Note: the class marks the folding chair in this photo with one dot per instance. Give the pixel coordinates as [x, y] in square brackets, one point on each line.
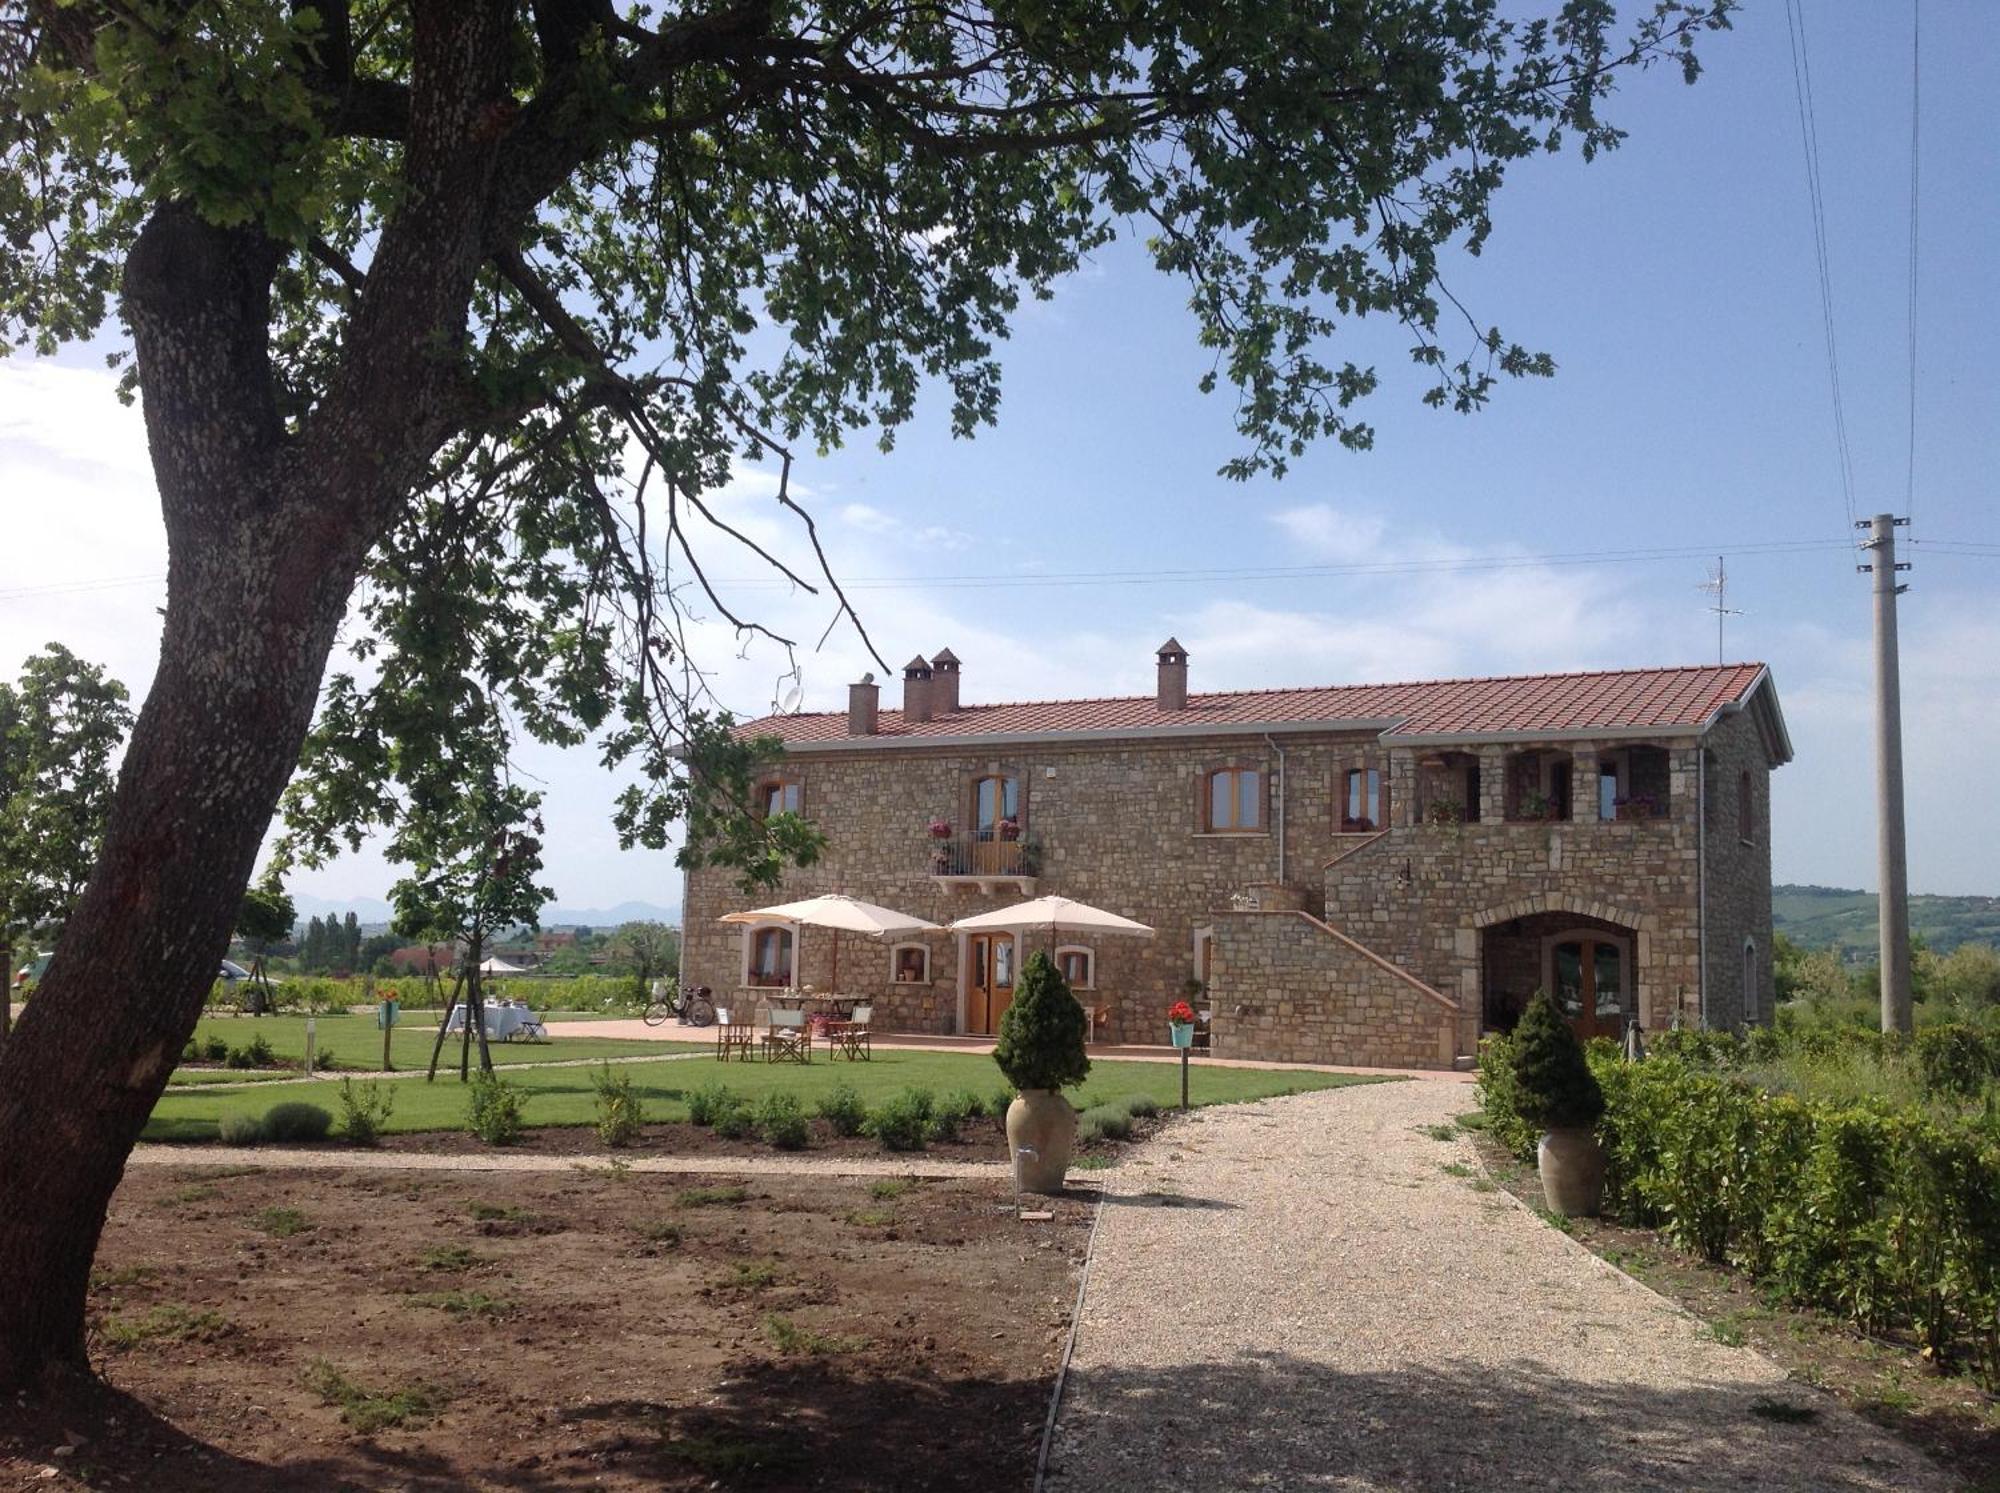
[734, 1036]
[851, 1036]
[788, 1038]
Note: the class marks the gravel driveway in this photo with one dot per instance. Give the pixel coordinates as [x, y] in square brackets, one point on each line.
[1295, 1294]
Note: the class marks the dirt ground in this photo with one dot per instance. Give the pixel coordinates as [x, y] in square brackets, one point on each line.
[268, 1330]
[1885, 1380]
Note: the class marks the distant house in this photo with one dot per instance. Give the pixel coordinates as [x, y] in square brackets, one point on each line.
[1352, 873]
[423, 959]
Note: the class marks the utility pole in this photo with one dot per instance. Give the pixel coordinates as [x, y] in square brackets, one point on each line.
[1894, 913]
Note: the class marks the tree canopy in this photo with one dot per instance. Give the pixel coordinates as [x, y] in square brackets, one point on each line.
[61, 726]
[706, 233]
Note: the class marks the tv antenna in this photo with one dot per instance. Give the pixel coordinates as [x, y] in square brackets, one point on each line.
[1717, 585]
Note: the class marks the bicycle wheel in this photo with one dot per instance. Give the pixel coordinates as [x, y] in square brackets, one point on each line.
[657, 1013]
[700, 1010]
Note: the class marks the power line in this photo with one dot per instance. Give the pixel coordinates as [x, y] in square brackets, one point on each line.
[1795, 24]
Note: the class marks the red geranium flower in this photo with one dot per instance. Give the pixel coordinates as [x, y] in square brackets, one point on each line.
[1181, 1013]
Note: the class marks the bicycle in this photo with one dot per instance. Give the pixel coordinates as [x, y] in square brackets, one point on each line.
[695, 1007]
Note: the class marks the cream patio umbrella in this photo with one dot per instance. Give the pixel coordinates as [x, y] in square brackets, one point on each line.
[1057, 914]
[841, 914]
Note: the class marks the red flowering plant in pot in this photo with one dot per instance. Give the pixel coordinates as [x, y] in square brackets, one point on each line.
[940, 829]
[1180, 1023]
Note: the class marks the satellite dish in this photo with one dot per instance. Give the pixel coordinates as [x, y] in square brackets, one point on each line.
[791, 700]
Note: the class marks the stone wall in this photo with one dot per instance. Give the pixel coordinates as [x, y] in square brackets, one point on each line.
[1290, 989]
[1739, 874]
[1119, 825]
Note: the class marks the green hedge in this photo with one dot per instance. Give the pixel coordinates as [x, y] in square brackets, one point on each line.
[1888, 1215]
[314, 994]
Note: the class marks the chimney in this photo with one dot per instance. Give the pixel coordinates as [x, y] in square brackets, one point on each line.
[944, 689]
[1173, 676]
[916, 691]
[863, 702]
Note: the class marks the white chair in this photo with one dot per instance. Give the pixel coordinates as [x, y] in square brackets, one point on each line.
[851, 1036]
[788, 1038]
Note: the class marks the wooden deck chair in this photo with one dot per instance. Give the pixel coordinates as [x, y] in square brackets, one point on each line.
[788, 1038]
[850, 1037]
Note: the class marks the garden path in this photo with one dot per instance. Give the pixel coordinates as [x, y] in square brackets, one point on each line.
[1297, 1294]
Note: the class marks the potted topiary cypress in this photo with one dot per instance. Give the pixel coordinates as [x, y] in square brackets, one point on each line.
[1041, 1052]
[1558, 1092]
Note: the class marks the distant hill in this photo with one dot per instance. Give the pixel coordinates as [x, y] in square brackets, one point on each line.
[1825, 917]
[374, 913]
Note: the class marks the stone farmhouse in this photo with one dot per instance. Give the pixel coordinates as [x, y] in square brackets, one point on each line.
[1352, 873]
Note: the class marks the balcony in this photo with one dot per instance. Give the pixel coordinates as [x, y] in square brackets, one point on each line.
[984, 862]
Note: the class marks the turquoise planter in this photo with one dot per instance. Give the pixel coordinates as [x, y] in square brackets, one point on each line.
[1182, 1033]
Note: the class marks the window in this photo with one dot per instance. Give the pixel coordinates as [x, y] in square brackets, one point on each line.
[767, 957]
[1751, 992]
[910, 964]
[778, 796]
[1364, 804]
[1078, 966]
[1746, 808]
[996, 803]
[1235, 800]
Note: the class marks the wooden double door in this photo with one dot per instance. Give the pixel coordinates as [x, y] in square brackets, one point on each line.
[1591, 978]
[989, 981]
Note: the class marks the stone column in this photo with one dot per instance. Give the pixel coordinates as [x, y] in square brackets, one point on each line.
[1492, 784]
[1583, 776]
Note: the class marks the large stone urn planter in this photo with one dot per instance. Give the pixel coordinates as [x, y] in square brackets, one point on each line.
[1572, 1166]
[1041, 1123]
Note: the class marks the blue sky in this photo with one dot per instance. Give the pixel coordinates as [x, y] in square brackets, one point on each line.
[1673, 280]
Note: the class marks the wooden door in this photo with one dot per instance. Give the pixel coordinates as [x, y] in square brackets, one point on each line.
[989, 981]
[1592, 982]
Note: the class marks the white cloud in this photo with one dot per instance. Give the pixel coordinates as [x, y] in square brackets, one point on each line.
[1324, 532]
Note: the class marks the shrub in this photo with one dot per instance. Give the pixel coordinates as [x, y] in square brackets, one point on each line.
[1042, 1033]
[1103, 1122]
[1142, 1106]
[999, 1101]
[296, 1121]
[1500, 1098]
[781, 1121]
[214, 1049]
[621, 1114]
[951, 1112]
[493, 1109]
[240, 1130]
[1557, 1090]
[256, 1053]
[1955, 1062]
[709, 1101]
[323, 1060]
[843, 1109]
[363, 1110]
[903, 1121]
[735, 1119]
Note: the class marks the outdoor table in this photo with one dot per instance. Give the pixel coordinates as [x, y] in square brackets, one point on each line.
[503, 1019]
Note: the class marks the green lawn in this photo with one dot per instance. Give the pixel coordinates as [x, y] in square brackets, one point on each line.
[356, 1042]
[563, 1096]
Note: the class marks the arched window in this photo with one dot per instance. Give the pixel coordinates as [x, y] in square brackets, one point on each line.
[1235, 800]
[1752, 987]
[910, 964]
[1078, 966]
[767, 957]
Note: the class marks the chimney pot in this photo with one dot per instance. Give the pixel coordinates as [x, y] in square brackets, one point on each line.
[863, 706]
[916, 691]
[944, 687]
[1172, 694]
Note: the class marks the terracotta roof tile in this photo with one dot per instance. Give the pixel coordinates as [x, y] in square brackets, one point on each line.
[1670, 699]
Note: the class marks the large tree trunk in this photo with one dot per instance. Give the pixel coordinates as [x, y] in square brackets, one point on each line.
[266, 531]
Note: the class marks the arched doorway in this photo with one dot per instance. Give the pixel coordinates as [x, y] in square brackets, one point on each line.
[1587, 964]
[1589, 972]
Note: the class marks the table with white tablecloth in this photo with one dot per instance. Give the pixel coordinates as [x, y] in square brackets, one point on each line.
[505, 1021]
